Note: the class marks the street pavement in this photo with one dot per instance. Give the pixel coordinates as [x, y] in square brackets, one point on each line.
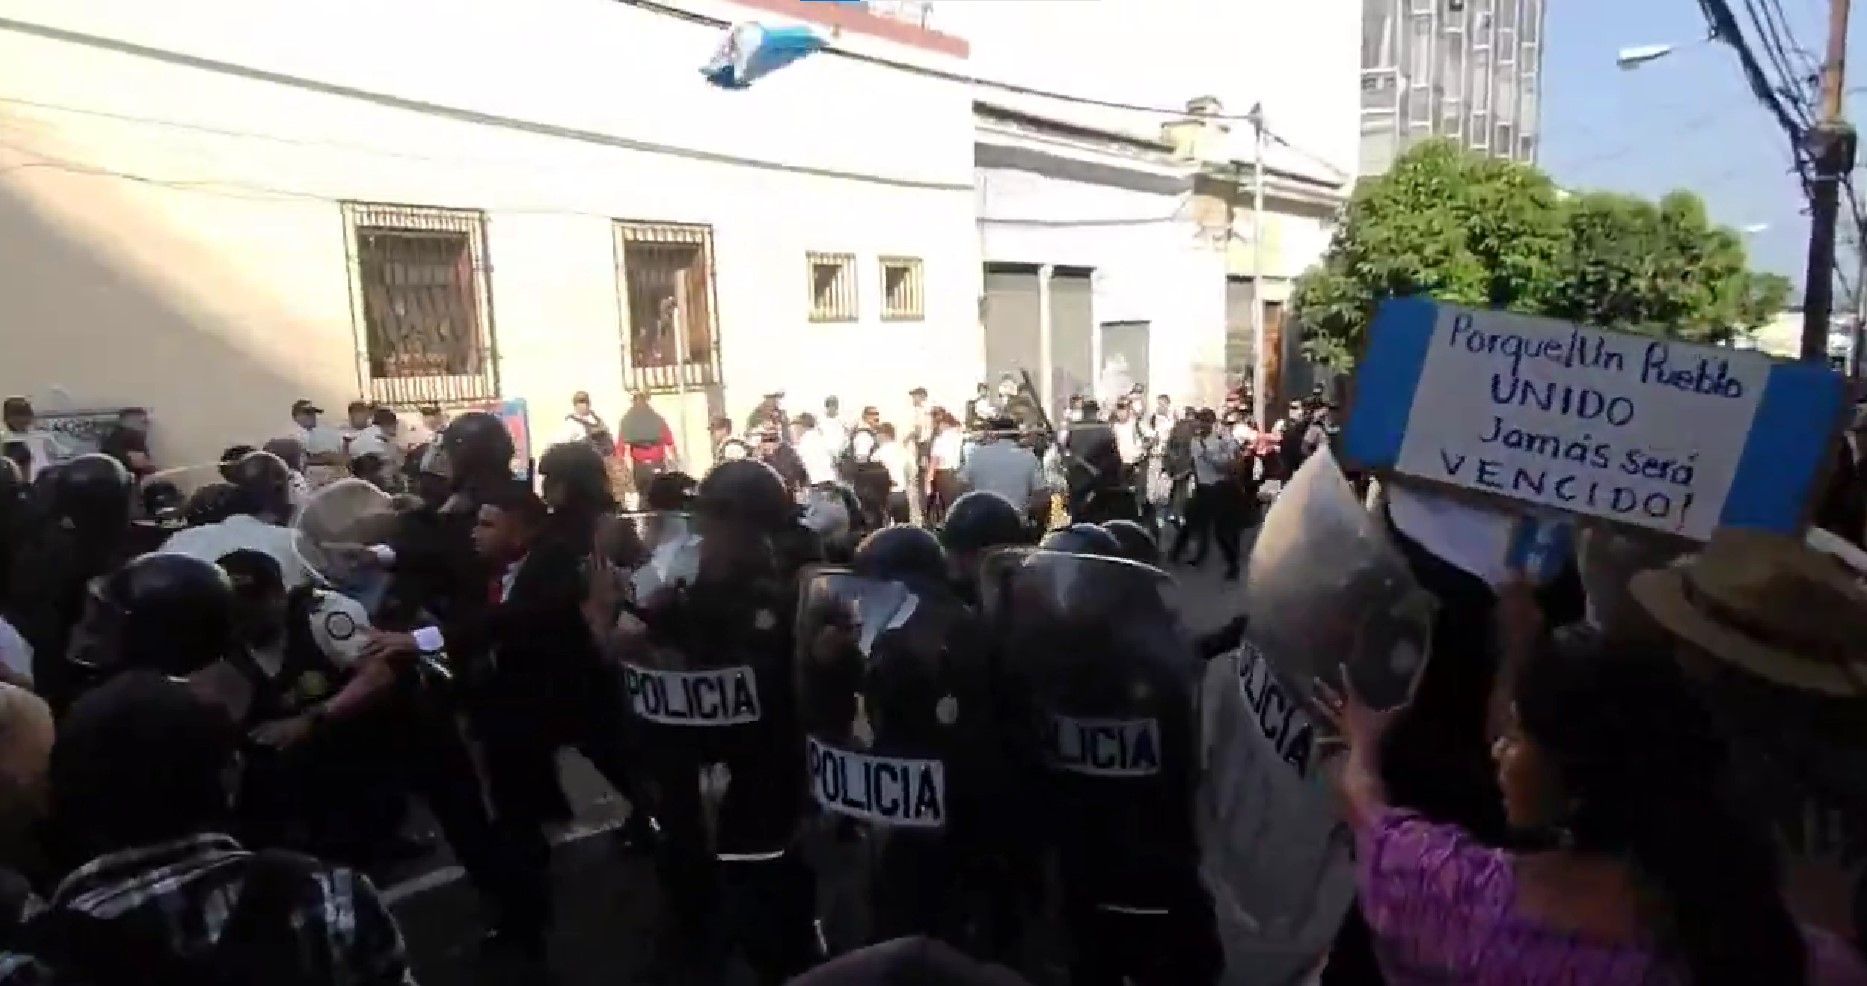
[605, 897]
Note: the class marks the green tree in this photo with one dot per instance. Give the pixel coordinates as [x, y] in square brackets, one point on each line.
[1497, 234]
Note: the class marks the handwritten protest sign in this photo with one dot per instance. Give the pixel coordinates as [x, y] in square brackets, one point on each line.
[1638, 430]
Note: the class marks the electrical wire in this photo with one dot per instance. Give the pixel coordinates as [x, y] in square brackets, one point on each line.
[1010, 87]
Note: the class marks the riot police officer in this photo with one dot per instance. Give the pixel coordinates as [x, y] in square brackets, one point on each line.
[82, 534]
[1098, 660]
[1136, 543]
[977, 522]
[905, 757]
[708, 679]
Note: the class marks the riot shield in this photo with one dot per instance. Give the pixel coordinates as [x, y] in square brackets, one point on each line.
[654, 551]
[334, 534]
[1325, 588]
[1095, 654]
[905, 765]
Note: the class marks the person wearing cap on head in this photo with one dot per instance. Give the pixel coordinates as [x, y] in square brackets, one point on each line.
[19, 423]
[831, 425]
[1008, 469]
[324, 445]
[357, 420]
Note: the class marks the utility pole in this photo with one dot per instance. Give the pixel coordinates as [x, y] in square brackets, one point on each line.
[1260, 386]
[1831, 145]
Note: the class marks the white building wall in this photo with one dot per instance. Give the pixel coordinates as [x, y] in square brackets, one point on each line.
[1149, 265]
[170, 179]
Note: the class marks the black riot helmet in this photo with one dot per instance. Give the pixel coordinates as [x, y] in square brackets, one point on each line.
[1082, 539]
[982, 519]
[1136, 543]
[900, 553]
[92, 492]
[747, 491]
[477, 444]
[263, 485]
[166, 612]
[212, 504]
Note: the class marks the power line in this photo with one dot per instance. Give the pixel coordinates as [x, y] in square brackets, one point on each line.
[1011, 87]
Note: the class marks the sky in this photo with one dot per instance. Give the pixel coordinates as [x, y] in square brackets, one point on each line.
[1684, 121]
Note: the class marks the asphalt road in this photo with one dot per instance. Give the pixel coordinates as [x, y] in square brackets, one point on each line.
[605, 898]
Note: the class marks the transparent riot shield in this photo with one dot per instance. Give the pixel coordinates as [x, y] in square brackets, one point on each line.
[903, 754]
[653, 551]
[1326, 589]
[335, 535]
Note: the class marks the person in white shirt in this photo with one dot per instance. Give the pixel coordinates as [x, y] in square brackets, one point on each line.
[19, 424]
[813, 450]
[323, 445]
[835, 432]
[897, 459]
[1004, 467]
[358, 420]
[262, 502]
[944, 456]
[1213, 509]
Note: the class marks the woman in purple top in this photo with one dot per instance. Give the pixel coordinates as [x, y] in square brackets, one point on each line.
[1633, 868]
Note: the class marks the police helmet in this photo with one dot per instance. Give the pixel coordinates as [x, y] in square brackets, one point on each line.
[92, 490]
[212, 504]
[900, 552]
[172, 613]
[1082, 539]
[262, 483]
[826, 512]
[476, 442]
[982, 519]
[1136, 543]
[749, 491]
[162, 499]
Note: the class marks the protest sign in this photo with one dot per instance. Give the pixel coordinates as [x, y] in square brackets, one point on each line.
[1634, 429]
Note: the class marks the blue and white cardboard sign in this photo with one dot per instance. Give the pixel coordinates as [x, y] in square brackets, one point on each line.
[1649, 432]
[751, 51]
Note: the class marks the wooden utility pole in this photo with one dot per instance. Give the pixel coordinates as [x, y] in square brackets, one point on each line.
[1831, 144]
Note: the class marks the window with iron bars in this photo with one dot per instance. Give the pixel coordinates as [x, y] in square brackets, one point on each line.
[903, 299]
[421, 302]
[665, 274]
[832, 287]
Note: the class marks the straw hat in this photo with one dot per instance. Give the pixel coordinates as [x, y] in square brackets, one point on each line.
[1769, 605]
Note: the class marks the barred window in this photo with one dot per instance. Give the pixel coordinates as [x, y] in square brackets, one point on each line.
[832, 287]
[419, 295]
[901, 289]
[665, 273]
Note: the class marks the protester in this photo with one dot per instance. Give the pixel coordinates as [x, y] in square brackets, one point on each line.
[166, 897]
[813, 450]
[1004, 467]
[1630, 867]
[323, 445]
[898, 459]
[1212, 513]
[943, 465]
[19, 424]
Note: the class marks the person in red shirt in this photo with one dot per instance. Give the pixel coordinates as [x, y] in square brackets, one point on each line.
[649, 441]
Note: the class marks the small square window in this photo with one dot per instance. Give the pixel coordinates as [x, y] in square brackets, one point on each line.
[832, 287]
[902, 299]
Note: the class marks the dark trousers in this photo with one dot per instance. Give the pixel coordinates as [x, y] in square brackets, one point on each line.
[898, 507]
[946, 489]
[520, 737]
[1111, 945]
[728, 871]
[1213, 512]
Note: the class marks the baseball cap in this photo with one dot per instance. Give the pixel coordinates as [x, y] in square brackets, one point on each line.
[354, 406]
[302, 406]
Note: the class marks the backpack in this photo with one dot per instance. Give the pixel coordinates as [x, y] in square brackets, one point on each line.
[257, 947]
[597, 434]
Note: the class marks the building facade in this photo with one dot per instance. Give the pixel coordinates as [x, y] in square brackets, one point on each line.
[212, 212]
[1113, 259]
[1469, 70]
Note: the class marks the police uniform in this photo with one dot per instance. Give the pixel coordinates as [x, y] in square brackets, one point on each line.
[297, 795]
